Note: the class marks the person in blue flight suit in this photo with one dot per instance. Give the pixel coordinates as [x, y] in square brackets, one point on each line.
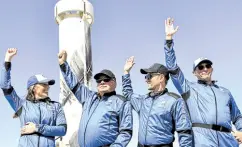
[40, 118]
[161, 113]
[212, 107]
[106, 117]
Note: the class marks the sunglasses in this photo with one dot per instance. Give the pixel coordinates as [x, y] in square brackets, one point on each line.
[201, 67]
[104, 80]
[151, 75]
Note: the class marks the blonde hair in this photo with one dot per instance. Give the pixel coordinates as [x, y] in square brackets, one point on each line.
[30, 93]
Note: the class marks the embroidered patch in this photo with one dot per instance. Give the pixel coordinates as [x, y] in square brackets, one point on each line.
[163, 103]
[50, 107]
[109, 102]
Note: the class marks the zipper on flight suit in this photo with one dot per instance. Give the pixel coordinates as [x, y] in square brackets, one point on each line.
[88, 121]
[215, 98]
[39, 124]
[148, 119]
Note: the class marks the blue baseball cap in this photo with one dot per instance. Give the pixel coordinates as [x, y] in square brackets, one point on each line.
[39, 79]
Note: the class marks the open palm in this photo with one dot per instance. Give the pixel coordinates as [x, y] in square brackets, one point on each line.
[169, 28]
[129, 64]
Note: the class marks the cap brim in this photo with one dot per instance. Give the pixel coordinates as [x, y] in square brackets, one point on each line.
[96, 77]
[48, 81]
[145, 70]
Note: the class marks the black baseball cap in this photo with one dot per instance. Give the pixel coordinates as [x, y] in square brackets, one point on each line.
[104, 72]
[155, 68]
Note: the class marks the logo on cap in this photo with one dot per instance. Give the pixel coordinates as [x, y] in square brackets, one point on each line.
[40, 77]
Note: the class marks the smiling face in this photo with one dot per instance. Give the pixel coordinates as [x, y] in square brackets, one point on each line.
[41, 91]
[105, 84]
[204, 71]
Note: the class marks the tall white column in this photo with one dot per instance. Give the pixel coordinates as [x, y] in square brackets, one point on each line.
[74, 18]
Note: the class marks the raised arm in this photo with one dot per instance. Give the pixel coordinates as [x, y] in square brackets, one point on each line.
[77, 87]
[135, 99]
[178, 78]
[5, 82]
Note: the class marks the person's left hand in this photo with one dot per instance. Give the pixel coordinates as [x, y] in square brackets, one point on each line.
[28, 128]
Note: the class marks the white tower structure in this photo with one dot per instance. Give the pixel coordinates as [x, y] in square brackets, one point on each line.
[74, 18]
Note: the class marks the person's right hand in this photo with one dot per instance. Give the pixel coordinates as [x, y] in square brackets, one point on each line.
[11, 52]
[62, 56]
[238, 136]
[169, 28]
[28, 128]
[128, 65]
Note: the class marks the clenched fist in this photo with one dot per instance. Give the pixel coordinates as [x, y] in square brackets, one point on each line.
[11, 52]
[62, 56]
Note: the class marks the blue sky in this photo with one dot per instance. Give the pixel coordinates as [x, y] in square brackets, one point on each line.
[121, 29]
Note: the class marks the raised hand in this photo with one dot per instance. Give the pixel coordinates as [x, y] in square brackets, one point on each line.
[11, 52]
[62, 56]
[169, 28]
[129, 64]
